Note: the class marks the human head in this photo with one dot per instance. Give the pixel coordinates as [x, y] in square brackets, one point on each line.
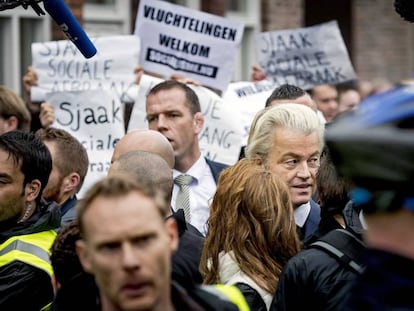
[14, 114]
[288, 93]
[251, 215]
[70, 279]
[348, 96]
[68, 174]
[365, 88]
[65, 262]
[25, 167]
[373, 147]
[174, 110]
[288, 139]
[326, 99]
[148, 166]
[333, 190]
[127, 243]
[145, 140]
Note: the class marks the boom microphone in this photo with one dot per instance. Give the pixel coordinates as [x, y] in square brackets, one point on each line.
[405, 8]
[64, 18]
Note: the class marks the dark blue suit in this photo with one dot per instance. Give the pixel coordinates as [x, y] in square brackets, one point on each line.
[186, 260]
[215, 168]
[312, 222]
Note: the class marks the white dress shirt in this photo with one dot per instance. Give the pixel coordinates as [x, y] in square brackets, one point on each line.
[202, 190]
[301, 213]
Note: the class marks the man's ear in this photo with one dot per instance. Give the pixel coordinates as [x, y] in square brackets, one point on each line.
[71, 182]
[198, 122]
[82, 252]
[172, 231]
[32, 190]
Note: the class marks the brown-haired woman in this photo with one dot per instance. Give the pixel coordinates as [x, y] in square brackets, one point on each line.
[251, 232]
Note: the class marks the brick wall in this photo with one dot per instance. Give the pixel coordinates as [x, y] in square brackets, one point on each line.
[281, 14]
[383, 41]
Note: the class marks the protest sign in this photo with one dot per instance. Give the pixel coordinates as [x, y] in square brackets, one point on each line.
[60, 66]
[248, 98]
[222, 133]
[305, 57]
[95, 118]
[176, 39]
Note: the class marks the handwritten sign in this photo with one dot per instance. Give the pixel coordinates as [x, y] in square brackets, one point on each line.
[198, 45]
[60, 66]
[247, 98]
[222, 134]
[95, 118]
[305, 57]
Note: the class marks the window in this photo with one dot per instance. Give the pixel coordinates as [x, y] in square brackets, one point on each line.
[247, 12]
[19, 28]
[107, 17]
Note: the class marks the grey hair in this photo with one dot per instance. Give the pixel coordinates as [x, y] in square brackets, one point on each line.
[290, 115]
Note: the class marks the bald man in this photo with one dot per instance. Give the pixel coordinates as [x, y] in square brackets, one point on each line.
[145, 140]
[148, 166]
[154, 142]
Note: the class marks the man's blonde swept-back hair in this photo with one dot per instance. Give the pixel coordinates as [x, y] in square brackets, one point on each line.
[292, 116]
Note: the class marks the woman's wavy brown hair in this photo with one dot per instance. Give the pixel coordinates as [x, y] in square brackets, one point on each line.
[251, 215]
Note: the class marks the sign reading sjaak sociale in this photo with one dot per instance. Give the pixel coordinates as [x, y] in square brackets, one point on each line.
[305, 57]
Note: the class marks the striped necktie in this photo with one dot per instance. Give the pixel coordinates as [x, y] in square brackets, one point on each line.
[183, 196]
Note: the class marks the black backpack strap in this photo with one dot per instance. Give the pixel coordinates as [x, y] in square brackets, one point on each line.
[344, 246]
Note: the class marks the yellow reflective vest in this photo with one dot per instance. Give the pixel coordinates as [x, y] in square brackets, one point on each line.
[32, 249]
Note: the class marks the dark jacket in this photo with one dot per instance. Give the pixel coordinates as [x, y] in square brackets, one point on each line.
[312, 222]
[253, 298]
[216, 168]
[315, 280]
[387, 284]
[197, 298]
[80, 293]
[194, 298]
[68, 210]
[24, 286]
[186, 259]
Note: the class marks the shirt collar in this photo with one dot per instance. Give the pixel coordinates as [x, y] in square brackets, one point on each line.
[301, 214]
[196, 171]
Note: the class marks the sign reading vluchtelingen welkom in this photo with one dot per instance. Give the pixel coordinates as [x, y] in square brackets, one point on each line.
[179, 40]
[305, 57]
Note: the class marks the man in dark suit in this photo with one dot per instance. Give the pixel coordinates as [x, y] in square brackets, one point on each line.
[288, 139]
[174, 110]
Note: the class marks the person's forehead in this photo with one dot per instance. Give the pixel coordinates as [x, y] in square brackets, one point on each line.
[9, 166]
[174, 93]
[349, 94]
[120, 219]
[324, 89]
[293, 139]
[138, 203]
[167, 103]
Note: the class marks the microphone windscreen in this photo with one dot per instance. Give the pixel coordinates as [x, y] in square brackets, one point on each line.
[405, 8]
[64, 18]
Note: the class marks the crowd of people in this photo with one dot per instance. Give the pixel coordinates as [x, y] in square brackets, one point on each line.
[317, 212]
